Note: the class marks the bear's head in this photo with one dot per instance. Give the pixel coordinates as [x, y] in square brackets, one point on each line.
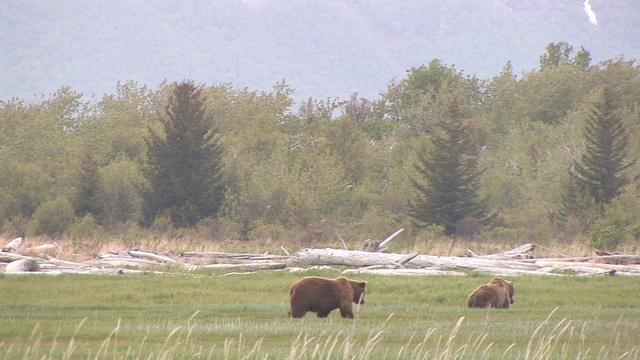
[512, 291]
[359, 289]
[508, 285]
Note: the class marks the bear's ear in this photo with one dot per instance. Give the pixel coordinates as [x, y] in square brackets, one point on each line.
[363, 284]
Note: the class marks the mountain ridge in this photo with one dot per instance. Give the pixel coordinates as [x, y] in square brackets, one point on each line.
[321, 49]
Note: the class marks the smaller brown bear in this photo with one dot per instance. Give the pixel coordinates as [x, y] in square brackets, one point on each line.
[322, 295]
[498, 293]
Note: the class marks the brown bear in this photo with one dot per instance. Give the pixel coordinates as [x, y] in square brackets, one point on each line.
[322, 295]
[498, 293]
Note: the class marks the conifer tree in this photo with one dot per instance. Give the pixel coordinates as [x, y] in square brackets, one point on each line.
[89, 197]
[599, 173]
[183, 167]
[448, 190]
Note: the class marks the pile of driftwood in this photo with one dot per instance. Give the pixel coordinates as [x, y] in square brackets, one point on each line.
[372, 259]
[139, 261]
[514, 262]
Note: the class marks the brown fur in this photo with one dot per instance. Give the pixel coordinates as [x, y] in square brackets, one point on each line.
[322, 295]
[498, 293]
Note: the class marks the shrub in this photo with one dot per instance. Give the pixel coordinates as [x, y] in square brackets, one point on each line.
[85, 228]
[607, 237]
[53, 217]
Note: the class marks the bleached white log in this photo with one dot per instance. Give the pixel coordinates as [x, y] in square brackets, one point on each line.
[403, 272]
[23, 265]
[386, 241]
[14, 244]
[521, 252]
[617, 259]
[244, 267]
[235, 256]
[356, 258]
[152, 256]
[7, 257]
[294, 269]
[125, 261]
[495, 271]
[585, 271]
[603, 266]
[378, 246]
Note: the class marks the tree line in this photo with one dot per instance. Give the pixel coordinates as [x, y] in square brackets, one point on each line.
[546, 155]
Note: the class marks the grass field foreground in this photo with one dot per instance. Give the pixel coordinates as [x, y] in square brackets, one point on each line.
[209, 315]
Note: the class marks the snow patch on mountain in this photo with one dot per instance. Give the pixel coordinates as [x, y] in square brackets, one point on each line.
[590, 13]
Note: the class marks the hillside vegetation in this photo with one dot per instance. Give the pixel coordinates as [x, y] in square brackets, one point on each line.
[73, 169]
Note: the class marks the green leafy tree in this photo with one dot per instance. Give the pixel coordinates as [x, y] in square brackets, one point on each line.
[184, 167]
[124, 119]
[550, 94]
[120, 197]
[406, 101]
[560, 54]
[449, 183]
[600, 171]
[348, 145]
[582, 58]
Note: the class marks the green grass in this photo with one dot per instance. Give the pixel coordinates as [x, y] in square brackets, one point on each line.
[206, 315]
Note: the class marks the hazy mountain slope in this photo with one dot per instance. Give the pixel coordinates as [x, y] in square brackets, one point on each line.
[321, 47]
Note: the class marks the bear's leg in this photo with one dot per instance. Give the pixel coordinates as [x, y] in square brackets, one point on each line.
[296, 313]
[323, 314]
[346, 313]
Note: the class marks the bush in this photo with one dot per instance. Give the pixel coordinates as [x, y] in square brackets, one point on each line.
[607, 237]
[85, 228]
[53, 217]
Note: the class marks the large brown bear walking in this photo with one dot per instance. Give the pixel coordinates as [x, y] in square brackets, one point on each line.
[322, 295]
[498, 293]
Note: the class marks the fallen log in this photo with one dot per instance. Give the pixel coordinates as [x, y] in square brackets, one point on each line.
[521, 252]
[7, 257]
[14, 244]
[243, 267]
[152, 256]
[235, 256]
[356, 258]
[617, 259]
[602, 266]
[23, 265]
[408, 259]
[116, 261]
[404, 272]
[378, 246]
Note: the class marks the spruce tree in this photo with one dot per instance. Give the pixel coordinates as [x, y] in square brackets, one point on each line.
[448, 187]
[89, 195]
[184, 167]
[599, 173]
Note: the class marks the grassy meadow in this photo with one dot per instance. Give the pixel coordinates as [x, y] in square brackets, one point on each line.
[208, 314]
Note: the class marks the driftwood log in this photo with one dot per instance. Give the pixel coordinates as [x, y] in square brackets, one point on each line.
[23, 265]
[221, 256]
[249, 267]
[406, 272]
[514, 262]
[378, 246]
[353, 258]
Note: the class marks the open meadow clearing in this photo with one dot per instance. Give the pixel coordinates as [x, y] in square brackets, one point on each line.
[206, 314]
